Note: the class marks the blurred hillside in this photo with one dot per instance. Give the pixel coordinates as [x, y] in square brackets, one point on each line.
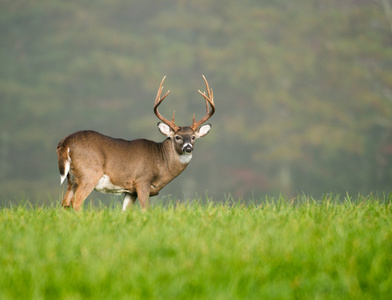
[303, 90]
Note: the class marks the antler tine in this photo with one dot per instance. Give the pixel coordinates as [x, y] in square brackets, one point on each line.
[158, 101]
[208, 100]
[158, 98]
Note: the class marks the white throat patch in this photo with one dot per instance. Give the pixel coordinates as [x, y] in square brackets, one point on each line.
[185, 158]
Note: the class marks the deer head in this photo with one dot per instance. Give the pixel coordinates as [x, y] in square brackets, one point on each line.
[183, 137]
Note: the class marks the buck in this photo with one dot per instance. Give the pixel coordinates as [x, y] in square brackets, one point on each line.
[138, 168]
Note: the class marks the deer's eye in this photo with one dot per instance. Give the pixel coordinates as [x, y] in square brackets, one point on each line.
[178, 137]
[193, 138]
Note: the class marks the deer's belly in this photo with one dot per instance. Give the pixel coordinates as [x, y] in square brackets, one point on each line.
[105, 186]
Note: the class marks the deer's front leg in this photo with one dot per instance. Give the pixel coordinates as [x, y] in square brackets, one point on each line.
[143, 192]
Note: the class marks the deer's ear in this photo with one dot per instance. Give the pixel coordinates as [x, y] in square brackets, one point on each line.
[165, 129]
[203, 130]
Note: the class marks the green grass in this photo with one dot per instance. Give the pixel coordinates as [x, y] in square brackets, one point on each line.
[272, 249]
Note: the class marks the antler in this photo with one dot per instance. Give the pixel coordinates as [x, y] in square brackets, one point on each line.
[158, 100]
[208, 100]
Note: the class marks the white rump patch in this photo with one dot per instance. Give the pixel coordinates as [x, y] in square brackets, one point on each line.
[105, 186]
[185, 158]
[67, 167]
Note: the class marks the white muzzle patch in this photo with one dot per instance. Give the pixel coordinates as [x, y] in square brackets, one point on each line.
[187, 148]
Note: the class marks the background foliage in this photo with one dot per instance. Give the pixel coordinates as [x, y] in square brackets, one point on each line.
[303, 89]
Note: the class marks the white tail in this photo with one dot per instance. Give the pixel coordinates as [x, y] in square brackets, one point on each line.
[64, 171]
[138, 168]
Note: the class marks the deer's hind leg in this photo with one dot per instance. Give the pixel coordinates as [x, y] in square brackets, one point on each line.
[81, 193]
[84, 186]
[66, 202]
[68, 197]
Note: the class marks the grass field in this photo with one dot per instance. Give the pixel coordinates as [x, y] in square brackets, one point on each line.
[331, 248]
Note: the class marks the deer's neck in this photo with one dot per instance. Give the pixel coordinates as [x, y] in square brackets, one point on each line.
[175, 162]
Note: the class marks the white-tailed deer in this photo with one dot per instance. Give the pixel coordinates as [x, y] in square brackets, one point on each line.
[138, 168]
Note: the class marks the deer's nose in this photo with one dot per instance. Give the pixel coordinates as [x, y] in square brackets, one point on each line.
[188, 148]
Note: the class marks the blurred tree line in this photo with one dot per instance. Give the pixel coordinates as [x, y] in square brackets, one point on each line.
[303, 89]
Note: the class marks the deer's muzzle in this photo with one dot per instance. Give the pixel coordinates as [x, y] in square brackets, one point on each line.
[187, 148]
